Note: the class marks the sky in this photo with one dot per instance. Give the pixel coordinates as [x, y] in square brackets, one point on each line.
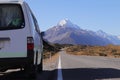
[88, 14]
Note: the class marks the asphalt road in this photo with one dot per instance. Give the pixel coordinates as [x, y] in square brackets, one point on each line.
[71, 67]
[89, 67]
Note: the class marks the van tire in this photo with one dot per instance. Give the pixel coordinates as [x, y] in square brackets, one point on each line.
[40, 66]
[31, 71]
[31, 68]
[33, 74]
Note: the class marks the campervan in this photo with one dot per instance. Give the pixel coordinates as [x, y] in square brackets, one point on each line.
[20, 38]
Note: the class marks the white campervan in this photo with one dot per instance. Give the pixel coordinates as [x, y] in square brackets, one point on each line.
[20, 39]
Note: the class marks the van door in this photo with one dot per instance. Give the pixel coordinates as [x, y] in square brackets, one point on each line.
[12, 31]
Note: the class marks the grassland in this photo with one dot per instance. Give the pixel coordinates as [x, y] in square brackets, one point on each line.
[50, 49]
[108, 51]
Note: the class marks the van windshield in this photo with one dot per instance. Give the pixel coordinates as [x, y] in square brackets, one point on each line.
[11, 17]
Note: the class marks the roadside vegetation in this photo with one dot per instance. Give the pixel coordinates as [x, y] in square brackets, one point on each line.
[108, 51]
[50, 49]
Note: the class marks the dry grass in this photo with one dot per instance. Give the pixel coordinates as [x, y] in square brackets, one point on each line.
[52, 59]
[109, 50]
[50, 49]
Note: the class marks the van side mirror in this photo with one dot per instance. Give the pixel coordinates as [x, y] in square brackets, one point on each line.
[42, 35]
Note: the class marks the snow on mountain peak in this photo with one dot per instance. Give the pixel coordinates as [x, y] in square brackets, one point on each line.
[67, 23]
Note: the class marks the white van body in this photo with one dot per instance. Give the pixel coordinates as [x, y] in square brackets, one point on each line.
[20, 39]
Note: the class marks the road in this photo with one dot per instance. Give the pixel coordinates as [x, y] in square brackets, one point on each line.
[89, 67]
[71, 67]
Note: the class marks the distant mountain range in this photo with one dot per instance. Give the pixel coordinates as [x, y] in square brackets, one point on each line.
[65, 32]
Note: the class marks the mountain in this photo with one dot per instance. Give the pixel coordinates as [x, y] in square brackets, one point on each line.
[114, 39]
[67, 23]
[65, 32]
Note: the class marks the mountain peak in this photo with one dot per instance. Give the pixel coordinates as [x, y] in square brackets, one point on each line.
[67, 23]
[100, 31]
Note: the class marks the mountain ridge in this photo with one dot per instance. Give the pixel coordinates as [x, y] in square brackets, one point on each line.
[66, 32]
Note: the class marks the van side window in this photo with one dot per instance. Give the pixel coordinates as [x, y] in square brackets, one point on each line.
[32, 21]
[36, 24]
[11, 17]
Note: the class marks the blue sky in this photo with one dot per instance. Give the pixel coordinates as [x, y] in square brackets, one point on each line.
[88, 14]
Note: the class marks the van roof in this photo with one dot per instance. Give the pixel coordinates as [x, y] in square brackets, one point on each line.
[11, 1]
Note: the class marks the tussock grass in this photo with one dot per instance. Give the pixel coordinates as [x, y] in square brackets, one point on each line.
[109, 50]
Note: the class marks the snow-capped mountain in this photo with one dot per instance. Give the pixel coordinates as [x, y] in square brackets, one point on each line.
[114, 39]
[67, 23]
[65, 32]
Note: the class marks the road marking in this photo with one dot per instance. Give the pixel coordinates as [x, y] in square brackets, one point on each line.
[59, 77]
